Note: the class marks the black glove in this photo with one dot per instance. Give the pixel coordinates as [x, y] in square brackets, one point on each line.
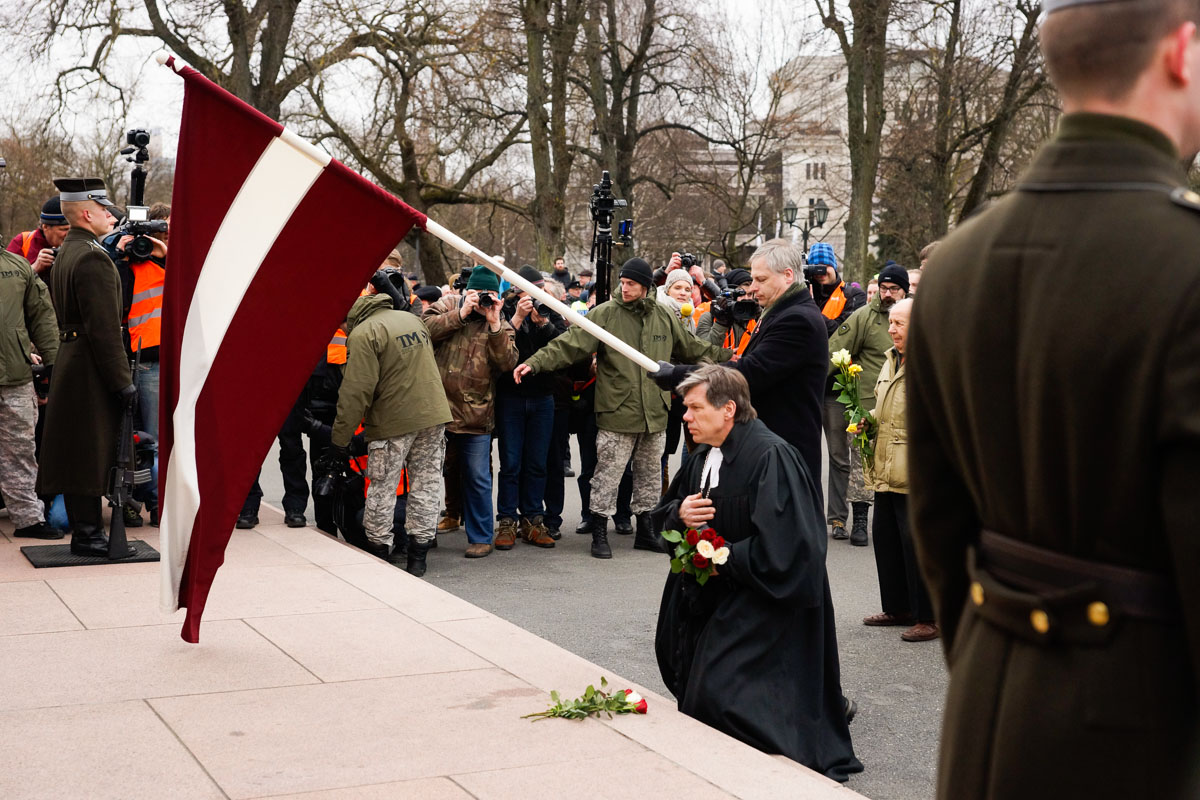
[312, 426]
[335, 453]
[722, 312]
[128, 396]
[664, 376]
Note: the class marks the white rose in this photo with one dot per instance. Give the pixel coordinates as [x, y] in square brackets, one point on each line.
[720, 556]
[841, 358]
[705, 548]
[632, 697]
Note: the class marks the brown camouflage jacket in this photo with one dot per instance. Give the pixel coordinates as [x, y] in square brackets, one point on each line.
[469, 359]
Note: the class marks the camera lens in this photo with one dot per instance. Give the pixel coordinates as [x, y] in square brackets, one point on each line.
[140, 248]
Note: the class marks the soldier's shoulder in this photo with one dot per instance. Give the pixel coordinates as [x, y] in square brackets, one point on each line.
[10, 262]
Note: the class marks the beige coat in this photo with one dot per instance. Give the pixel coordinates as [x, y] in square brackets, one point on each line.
[890, 471]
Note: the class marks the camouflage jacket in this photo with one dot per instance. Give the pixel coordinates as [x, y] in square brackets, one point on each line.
[469, 359]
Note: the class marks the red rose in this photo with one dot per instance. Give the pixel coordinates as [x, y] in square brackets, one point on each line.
[692, 538]
[640, 708]
[708, 534]
[699, 561]
[718, 542]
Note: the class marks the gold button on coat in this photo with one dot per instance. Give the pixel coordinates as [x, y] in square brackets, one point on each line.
[977, 593]
[1040, 620]
[1097, 614]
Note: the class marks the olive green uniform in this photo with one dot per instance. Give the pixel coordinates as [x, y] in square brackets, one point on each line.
[1054, 399]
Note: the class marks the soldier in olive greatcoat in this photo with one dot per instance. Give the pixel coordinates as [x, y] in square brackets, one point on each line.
[1054, 433]
[92, 383]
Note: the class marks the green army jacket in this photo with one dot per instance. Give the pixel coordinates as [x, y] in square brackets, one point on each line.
[865, 335]
[391, 379]
[26, 317]
[627, 401]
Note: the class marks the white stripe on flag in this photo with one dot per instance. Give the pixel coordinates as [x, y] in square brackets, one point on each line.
[264, 204]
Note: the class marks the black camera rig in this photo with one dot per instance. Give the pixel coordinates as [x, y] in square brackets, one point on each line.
[137, 215]
[603, 205]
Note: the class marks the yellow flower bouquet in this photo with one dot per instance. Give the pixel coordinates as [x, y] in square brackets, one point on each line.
[859, 420]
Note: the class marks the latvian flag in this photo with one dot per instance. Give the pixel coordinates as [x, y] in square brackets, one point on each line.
[271, 242]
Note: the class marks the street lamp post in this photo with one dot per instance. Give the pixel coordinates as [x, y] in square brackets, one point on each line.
[818, 212]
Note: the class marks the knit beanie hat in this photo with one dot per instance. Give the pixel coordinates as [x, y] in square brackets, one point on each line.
[894, 273]
[736, 277]
[677, 275]
[635, 269]
[484, 280]
[821, 254]
[532, 275]
[52, 212]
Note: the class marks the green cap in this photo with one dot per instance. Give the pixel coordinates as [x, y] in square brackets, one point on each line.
[484, 280]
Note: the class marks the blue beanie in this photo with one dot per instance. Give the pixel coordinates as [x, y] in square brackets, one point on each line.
[821, 253]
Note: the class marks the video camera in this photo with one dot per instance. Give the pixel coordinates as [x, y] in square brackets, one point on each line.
[743, 308]
[814, 271]
[137, 216]
[603, 206]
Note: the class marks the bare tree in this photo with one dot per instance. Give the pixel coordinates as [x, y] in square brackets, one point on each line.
[864, 46]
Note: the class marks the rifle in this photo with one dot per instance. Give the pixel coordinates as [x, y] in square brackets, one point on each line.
[123, 475]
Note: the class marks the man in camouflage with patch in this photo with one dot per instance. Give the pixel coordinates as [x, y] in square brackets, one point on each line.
[631, 411]
[392, 385]
[25, 315]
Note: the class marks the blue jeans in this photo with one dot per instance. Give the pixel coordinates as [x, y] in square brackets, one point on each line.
[525, 425]
[475, 469]
[147, 395]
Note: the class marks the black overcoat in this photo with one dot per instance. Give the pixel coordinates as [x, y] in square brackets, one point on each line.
[83, 411]
[754, 651]
[1054, 397]
[786, 364]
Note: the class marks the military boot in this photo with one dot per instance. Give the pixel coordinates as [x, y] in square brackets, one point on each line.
[647, 538]
[858, 533]
[416, 552]
[599, 531]
[377, 549]
[88, 540]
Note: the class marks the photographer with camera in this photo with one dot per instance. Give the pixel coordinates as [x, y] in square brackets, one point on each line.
[732, 315]
[474, 345]
[92, 386]
[40, 245]
[833, 296]
[525, 423]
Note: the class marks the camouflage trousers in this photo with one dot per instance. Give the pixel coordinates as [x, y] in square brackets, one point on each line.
[18, 465]
[422, 452]
[613, 452]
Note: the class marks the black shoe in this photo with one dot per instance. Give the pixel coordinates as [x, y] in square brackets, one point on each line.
[838, 531]
[584, 527]
[39, 531]
[133, 517]
[88, 540]
[599, 531]
[555, 533]
[246, 521]
[851, 709]
[294, 520]
[154, 517]
[858, 533]
[416, 557]
[376, 549]
[625, 528]
[568, 472]
[647, 538]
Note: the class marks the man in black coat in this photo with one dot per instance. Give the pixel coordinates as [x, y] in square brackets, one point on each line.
[753, 651]
[787, 360]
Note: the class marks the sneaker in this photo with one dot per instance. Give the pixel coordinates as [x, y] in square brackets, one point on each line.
[506, 534]
[133, 517]
[39, 531]
[478, 550]
[448, 523]
[535, 533]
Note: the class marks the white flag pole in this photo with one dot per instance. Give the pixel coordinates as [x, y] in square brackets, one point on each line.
[480, 257]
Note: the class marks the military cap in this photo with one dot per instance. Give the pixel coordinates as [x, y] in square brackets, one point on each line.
[77, 190]
[1058, 5]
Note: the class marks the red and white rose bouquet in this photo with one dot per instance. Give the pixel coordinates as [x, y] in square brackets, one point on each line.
[697, 552]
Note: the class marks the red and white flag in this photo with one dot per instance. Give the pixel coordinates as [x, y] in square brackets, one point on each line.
[271, 242]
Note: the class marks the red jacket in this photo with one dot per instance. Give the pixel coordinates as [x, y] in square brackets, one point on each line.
[36, 244]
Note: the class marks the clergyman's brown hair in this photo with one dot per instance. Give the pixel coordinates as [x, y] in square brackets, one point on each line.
[723, 384]
[1098, 51]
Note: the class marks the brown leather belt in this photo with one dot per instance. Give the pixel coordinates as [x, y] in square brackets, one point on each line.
[1126, 592]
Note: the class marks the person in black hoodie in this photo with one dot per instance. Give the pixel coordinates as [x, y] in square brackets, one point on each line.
[525, 424]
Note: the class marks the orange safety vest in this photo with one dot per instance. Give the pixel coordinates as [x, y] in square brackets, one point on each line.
[835, 303]
[145, 313]
[359, 463]
[335, 352]
[26, 243]
[745, 340]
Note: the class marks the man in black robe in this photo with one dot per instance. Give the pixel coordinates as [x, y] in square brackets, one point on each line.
[753, 652]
